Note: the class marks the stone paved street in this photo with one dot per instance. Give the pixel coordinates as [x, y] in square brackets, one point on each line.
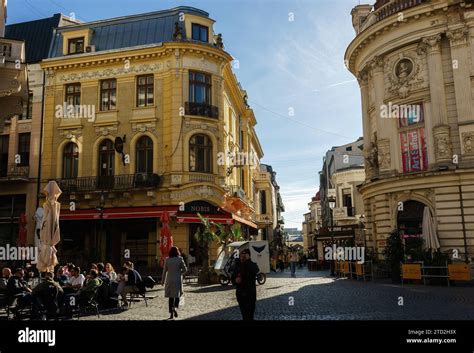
[315, 296]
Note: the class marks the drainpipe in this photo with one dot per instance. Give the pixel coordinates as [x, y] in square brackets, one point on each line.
[38, 184]
[466, 255]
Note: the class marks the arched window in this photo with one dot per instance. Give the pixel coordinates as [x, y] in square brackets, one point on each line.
[200, 154]
[106, 158]
[144, 155]
[70, 161]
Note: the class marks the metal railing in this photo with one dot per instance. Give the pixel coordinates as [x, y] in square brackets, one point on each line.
[14, 171]
[385, 9]
[109, 183]
[201, 178]
[201, 109]
[237, 191]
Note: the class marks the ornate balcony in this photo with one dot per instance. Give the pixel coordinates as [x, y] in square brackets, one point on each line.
[15, 172]
[199, 109]
[386, 8]
[109, 183]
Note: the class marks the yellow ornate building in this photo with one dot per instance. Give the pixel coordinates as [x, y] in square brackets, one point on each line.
[415, 61]
[143, 115]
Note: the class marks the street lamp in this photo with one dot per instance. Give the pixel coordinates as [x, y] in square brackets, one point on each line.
[332, 205]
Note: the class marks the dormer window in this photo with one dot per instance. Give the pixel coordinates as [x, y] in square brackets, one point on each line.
[76, 45]
[200, 33]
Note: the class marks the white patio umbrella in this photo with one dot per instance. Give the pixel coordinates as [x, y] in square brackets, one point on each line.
[49, 234]
[430, 237]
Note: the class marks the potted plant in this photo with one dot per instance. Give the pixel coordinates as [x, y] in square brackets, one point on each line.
[393, 254]
[214, 232]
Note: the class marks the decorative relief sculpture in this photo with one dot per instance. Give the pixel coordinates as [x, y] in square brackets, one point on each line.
[468, 141]
[384, 158]
[442, 147]
[403, 72]
[458, 36]
[371, 157]
[429, 45]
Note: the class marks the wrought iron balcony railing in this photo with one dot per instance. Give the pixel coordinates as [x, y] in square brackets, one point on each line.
[387, 8]
[200, 109]
[109, 183]
[15, 172]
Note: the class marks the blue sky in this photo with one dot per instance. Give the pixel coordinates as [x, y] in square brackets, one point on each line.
[285, 66]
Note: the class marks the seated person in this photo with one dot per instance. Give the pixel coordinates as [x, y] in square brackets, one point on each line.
[104, 276]
[131, 283]
[109, 269]
[47, 293]
[17, 287]
[75, 282]
[84, 293]
[60, 277]
[90, 286]
[6, 274]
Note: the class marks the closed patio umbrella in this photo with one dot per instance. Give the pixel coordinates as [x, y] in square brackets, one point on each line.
[430, 237]
[166, 240]
[49, 234]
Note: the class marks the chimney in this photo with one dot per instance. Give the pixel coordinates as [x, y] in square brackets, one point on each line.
[3, 17]
[359, 15]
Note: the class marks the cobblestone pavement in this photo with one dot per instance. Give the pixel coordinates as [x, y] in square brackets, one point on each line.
[312, 296]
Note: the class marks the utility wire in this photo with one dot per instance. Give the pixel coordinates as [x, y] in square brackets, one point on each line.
[299, 122]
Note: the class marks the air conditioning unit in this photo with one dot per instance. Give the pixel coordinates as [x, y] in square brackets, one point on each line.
[90, 49]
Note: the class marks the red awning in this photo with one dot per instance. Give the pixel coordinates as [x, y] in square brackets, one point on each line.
[193, 218]
[118, 213]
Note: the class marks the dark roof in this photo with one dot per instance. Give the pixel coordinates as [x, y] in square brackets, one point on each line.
[129, 31]
[36, 34]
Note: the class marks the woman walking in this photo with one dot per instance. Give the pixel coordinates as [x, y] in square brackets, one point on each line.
[173, 270]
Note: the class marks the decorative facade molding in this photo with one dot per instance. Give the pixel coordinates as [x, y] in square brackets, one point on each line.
[100, 74]
[442, 143]
[467, 139]
[458, 37]
[70, 133]
[143, 127]
[384, 158]
[403, 72]
[189, 126]
[430, 45]
[106, 130]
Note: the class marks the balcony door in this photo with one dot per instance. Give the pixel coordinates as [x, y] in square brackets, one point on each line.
[106, 165]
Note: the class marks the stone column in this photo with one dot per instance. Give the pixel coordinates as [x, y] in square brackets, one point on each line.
[458, 39]
[441, 131]
[363, 79]
[383, 125]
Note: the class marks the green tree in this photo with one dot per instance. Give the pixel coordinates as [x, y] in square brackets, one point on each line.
[210, 232]
[394, 255]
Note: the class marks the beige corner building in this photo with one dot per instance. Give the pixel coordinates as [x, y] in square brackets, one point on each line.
[415, 61]
[159, 124]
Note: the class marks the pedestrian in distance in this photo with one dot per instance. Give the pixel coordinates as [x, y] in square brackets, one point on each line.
[294, 259]
[172, 278]
[243, 275]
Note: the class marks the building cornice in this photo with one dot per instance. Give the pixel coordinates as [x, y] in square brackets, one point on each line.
[383, 27]
[146, 52]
